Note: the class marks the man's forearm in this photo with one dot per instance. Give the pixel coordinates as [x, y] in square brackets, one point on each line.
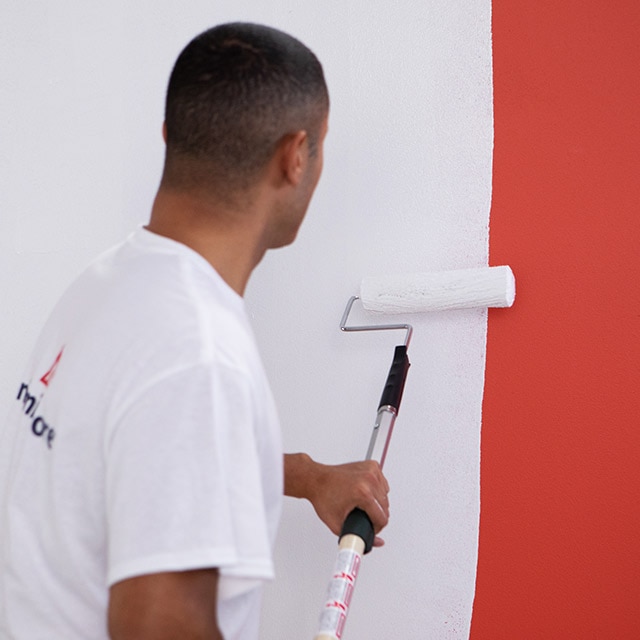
[300, 475]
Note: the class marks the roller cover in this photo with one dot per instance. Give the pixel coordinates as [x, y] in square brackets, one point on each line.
[439, 291]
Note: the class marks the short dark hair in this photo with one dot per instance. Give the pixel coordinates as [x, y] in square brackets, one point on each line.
[234, 92]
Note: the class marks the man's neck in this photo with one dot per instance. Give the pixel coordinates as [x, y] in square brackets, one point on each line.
[230, 240]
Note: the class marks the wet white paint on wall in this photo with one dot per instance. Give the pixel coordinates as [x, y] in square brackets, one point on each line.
[406, 187]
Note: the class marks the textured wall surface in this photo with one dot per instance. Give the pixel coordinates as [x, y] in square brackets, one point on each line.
[406, 187]
[559, 555]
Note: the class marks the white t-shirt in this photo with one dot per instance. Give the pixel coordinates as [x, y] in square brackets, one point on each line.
[142, 438]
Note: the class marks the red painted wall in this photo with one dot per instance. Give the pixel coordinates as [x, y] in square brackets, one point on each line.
[559, 554]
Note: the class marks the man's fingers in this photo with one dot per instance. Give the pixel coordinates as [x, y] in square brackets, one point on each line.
[377, 514]
[375, 500]
[378, 542]
[338, 489]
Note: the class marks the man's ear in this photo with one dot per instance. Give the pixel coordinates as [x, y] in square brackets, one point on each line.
[164, 132]
[294, 154]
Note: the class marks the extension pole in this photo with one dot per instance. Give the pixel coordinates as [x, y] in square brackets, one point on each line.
[358, 534]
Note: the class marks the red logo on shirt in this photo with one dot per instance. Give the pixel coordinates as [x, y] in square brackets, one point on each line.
[47, 377]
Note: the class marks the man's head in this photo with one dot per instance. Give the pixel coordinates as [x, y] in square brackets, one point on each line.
[235, 92]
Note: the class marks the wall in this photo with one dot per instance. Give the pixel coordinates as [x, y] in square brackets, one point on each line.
[559, 555]
[406, 187]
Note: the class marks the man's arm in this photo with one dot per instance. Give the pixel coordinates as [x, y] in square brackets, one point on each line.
[163, 606]
[335, 490]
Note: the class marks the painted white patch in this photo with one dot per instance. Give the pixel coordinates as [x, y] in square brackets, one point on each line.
[406, 188]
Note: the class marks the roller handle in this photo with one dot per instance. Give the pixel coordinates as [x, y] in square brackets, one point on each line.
[392, 392]
[357, 534]
[359, 524]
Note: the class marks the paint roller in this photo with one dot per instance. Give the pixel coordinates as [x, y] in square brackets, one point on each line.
[439, 291]
[402, 293]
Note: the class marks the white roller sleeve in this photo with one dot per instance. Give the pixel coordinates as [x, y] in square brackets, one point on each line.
[439, 291]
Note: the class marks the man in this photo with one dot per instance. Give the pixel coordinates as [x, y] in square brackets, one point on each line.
[142, 470]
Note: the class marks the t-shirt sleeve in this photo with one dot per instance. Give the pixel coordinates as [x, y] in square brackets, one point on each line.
[183, 478]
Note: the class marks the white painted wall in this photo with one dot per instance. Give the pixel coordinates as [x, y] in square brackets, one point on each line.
[406, 187]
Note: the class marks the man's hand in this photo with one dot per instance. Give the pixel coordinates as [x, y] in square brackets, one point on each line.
[335, 490]
[170, 605]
